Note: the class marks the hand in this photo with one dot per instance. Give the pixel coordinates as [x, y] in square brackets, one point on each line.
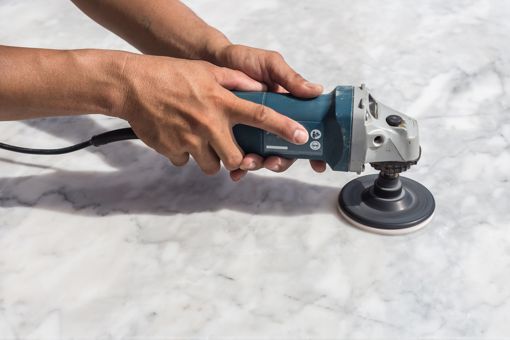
[181, 107]
[271, 69]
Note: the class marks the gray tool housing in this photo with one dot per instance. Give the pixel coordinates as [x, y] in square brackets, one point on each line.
[374, 140]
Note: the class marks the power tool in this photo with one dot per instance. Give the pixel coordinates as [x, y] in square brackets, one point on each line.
[347, 129]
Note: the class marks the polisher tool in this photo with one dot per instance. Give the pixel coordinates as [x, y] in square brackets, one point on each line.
[348, 128]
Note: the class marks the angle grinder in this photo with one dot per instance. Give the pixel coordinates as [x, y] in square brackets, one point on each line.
[348, 128]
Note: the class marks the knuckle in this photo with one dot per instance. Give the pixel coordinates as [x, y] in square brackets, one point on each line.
[179, 161]
[203, 64]
[159, 148]
[289, 124]
[233, 161]
[194, 121]
[226, 70]
[192, 143]
[211, 169]
[287, 128]
[261, 114]
[217, 98]
[207, 131]
[164, 150]
[297, 77]
[275, 55]
[174, 161]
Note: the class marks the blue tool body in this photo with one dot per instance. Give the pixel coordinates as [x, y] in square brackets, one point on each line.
[328, 119]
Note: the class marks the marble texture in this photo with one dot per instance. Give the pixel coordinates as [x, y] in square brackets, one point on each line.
[115, 243]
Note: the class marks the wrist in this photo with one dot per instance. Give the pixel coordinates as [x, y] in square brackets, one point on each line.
[109, 83]
[214, 47]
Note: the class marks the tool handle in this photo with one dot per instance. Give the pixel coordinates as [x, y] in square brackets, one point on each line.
[327, 118]
[311, 113]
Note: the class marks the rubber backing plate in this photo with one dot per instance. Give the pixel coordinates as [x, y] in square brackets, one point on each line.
[386, 206]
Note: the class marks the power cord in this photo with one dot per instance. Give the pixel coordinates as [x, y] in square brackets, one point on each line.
[97, 140]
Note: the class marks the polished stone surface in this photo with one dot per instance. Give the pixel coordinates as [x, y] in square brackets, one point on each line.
[116, 243]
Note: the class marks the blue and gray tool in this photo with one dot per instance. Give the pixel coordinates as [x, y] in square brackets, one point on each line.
[348, 128]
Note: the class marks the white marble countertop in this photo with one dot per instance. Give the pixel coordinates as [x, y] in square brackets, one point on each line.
[116, 243]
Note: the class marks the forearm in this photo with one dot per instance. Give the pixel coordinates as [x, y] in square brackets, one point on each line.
[158, 27]
[40, 83]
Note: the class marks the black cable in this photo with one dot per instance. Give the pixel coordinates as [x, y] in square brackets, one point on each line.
[97, 140]
[45, 151]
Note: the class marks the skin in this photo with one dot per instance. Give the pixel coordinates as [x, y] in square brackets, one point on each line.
[176, 97]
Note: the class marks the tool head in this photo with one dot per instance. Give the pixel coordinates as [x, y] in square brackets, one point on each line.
[386, 203]
[381, 134]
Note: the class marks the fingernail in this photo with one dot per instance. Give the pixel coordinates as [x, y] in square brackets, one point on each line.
[300, 136]
[274, 167]
[237, 177]
[250, 166]
[313, 86]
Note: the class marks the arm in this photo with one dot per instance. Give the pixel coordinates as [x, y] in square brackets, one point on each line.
[40, 83]
[158, 27]
[168, 27]
[178, 107]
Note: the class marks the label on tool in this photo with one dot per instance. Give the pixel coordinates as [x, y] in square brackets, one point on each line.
[314, 147]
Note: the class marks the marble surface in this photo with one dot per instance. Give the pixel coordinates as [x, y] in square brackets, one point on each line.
[115, 243]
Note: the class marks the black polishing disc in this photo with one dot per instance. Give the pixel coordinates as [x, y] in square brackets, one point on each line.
[386, 205]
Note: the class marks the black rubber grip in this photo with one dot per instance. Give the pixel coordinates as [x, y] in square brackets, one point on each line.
[113, 136]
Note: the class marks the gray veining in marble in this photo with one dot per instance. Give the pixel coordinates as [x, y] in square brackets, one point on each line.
[116, 243]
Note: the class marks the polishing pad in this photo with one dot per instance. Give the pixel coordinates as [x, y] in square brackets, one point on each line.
[386, 205]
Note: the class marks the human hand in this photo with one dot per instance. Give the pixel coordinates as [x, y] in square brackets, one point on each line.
[270, 68]
[181, 107]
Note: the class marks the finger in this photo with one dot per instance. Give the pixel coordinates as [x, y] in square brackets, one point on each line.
[252, 162]
[179, 160]
[236, 175]
[278, 164]
[279, 89]
[265, 118]
[318, 166]
[237, 80]
[227, 149]
[207, 160]
[281, 73]
[276, 88]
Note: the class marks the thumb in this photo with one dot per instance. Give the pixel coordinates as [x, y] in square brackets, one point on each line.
[237, 80]
[281, 73]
